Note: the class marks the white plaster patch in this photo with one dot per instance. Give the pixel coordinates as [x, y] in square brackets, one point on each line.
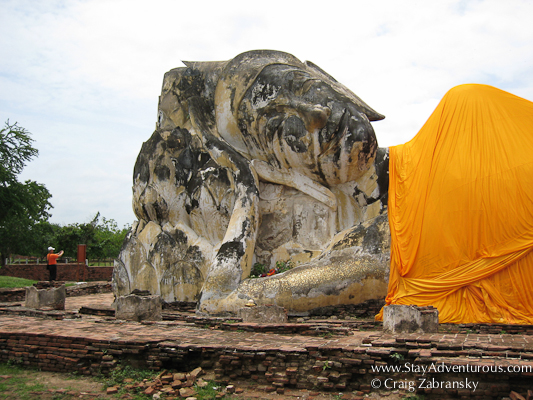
[263, 94]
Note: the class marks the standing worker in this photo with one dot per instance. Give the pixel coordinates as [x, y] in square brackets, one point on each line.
[52, 263]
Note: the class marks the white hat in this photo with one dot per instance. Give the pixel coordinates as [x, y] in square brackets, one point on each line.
[51, 248]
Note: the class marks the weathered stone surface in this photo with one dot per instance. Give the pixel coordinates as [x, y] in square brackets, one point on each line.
[263, 314]
[138, 308]
[53, 297]
[410, 319]
[262, 158]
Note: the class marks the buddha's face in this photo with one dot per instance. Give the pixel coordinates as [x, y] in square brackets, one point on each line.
[304, 120]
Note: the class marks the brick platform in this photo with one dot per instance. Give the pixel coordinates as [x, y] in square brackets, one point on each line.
[65, 272]
[90, 344]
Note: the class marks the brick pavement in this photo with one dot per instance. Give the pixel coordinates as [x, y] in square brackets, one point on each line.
[109, 329]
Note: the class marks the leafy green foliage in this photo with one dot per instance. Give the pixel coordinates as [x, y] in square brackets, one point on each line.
[15, 151]
[117, 375]
[24, 210]
[258, 269]
[397, 357]
[22, 205]
[102, 237]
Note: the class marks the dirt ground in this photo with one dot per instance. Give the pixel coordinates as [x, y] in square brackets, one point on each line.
[65, 386]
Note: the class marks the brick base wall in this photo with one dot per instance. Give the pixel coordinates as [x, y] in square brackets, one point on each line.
[325, 368]
[65, 272]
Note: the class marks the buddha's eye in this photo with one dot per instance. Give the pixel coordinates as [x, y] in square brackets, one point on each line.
[308, 85]
[315, 90]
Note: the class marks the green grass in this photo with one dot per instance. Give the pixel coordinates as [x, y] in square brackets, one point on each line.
[17, 384]
[208, 392]
[12, 282]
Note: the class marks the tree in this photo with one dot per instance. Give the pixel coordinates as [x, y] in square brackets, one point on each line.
[103, 238]
[109, 239]
[22, 205]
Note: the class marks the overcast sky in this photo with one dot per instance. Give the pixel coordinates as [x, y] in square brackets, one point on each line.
[83, 76]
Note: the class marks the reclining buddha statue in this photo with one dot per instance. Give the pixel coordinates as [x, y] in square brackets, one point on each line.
[262, 160]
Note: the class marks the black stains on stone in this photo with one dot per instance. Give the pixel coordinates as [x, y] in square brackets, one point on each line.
[183, 165]
[191, 206]
[351, 238]
[358, 192]
[180, 237]
[194, 254]
[382, 171]
[242, 172]
[293, 131]
[382, 174]
[372, 241]
[273, 126]
[368, 149]
[321, 177]
[369, 238]
[162, 172]
[231, 250]
[406, 326]
[179, 138]
[164, 242]
[337, 157]
[191, 83]
[141, 169]
[187, 159]
[155, 150]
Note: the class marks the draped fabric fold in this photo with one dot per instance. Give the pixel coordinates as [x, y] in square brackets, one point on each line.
[461, 209]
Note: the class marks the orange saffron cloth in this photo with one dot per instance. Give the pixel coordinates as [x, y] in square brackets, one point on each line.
[461, 210]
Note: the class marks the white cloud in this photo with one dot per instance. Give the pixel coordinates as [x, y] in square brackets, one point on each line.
[84, 75]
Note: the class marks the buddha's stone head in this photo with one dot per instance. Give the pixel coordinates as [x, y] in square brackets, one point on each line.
[272, 107]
